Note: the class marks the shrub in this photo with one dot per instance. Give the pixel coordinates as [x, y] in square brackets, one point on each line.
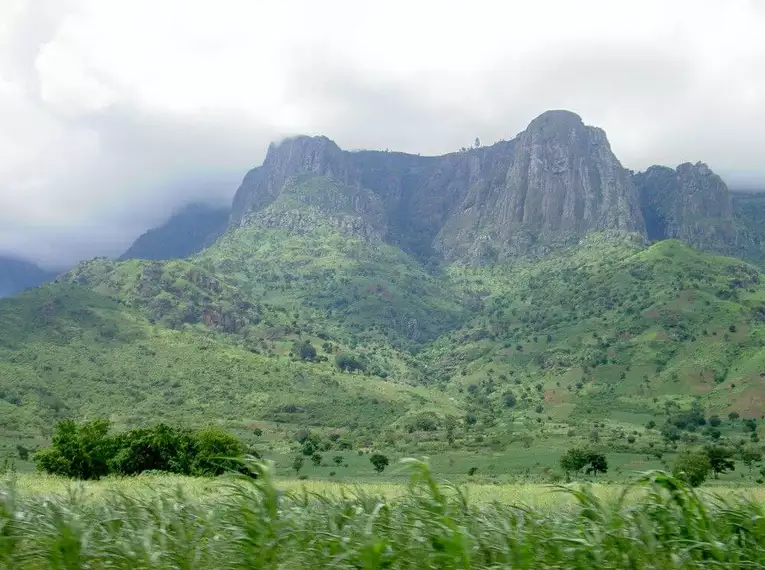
[693, 468]
[88, 451]
[379, 461]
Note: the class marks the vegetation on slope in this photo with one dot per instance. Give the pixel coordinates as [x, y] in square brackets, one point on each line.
[305, 319]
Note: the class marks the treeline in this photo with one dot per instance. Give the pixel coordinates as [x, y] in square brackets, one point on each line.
[90, 450]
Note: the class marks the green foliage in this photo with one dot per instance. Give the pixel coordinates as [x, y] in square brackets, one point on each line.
[88, 451]
[693, 468]
[720, 459]
[304, 350]
[379, 461]
[575, 459]
[297, 463]
[349, 363]
[78, 451]
[660, 523]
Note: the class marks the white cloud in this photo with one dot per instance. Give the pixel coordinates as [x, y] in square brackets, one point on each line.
[115, 112]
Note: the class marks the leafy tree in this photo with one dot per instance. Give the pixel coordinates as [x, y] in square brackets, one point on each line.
[337, 460]
[750, 425]
[750, 456]
[22, 451]
[304, 350]
[693, 468]
[573, 460]
[720, 459]
[424, 421]
[316, 459]
[297, 463]
[715, 421]
[596, 463]
[472, 471]
[733, 416]
[215, 452]
[450, 423]
[349, 363]
[379, 461]
[79, 452]
[160, 448]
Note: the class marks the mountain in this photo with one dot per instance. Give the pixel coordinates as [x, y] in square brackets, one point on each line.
[17, 275]
[550, 185]
[690, 203]
[512, 287]
[187, 232]
[748, 214]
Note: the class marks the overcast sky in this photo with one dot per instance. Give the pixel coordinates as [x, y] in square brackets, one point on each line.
[113, 113]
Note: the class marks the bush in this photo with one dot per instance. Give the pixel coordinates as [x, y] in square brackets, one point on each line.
[88, 451]
[693, 468]
[379, 461]
[304, 350]
[349, 363]
[78, 452]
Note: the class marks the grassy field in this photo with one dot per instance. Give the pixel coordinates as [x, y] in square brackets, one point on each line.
[158, 522]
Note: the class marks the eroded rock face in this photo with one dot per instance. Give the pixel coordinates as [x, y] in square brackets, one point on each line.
[558, 181]
[555, 182]
[690, 203]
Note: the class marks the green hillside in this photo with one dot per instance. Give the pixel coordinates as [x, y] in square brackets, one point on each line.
[305, 318]
[611, 330]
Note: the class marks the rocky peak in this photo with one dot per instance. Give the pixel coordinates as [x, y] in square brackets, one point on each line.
[690, 203]
[261, 186]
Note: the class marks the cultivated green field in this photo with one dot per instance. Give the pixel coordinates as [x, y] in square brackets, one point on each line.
[158, 522]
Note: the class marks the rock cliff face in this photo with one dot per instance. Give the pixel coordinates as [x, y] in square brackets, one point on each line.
[690, 203]
[558, 181]
[552, 184]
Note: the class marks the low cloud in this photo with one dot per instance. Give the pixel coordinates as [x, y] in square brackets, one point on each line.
[116, 113]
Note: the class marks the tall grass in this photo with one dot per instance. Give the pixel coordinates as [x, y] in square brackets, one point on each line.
[656, 523]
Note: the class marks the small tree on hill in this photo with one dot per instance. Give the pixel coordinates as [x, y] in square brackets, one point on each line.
[379, 461]
[693, 468]
[297, 464]
[750, 456]
[720, 459]
[596, 463]
[316, 459]
[304, 350]
[337, 460]
[573, 461]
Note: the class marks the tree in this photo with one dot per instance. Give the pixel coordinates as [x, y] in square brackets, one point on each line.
[597, 463]
[79, 452]
[720, 459]
[22, 451]
[297, 463]
[450, 423]
[693, 468]
[379, 461]
[573, 460]
[715, 421]
[733, 416]
[215, 452]
[304, 350]
[750, 456]
[349, 363]
[477, 143]
[316, 459]
[337, 460]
